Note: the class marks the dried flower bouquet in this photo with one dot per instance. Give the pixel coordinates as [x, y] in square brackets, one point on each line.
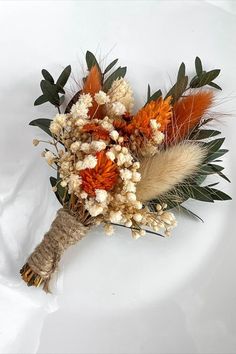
[116, 167]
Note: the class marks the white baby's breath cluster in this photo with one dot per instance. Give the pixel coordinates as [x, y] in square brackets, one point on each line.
[97, 169]
[121, 98]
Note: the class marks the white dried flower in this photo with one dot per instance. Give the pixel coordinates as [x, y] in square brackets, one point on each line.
[98, 145]
[130, 187]
[117, 148]
[131, 197]
[55, 128]
[118, 108]
[80, 122]
[138, 205]
[128, 223]
[75, 146]
[114, 135]
[85, 147]
[74, 183]
[93, 209]
[63, 183]
[124, 150]
[142, 232]
[136, 234]
[136, 176]
[138, 217]
[81, 107]
[136, 165]
[110, 155]
[120, 91]
[50, 157]
[35, 142]
[60, 119]
[101, 98]
[121, 198]
[101, 195]
[79, 165]
[107, 125]
[83, 195]
[153, 124]
[86, 99]
[65, 166]
[115, 216]
[158, 137]
[125, 174]
[121, 159]
[109, 229]
[120, 140]
[89, 161]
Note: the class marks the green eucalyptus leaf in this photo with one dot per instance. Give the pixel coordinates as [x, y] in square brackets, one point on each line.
[204, 134]
[63, 78]
[178, 89]
[210, 169]
[47, 76]
[216, 155]
[217, 194]
[198, 66]
[40, 100]
[213, 84]
[60, 89]
[117, 74]
[214, 145]
[148, 93]
[42, 123]
[222, 175]
[181, 72]
[53, 182]
[61, 193]
[50, 91]
[190, 212]
[199, 179]
[204, 78]
[62, 99]
[155, 96]
[110, 66]
[91, 60]
[200, 193]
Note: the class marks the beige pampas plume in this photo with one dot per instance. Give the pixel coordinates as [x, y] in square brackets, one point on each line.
[162, 172]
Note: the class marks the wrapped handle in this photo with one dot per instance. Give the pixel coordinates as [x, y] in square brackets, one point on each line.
[65, 231]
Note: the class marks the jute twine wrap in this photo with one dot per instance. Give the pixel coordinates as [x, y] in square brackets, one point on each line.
[65, 231]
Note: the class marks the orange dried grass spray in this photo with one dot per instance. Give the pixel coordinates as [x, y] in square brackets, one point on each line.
[187, 114]
[92, 85]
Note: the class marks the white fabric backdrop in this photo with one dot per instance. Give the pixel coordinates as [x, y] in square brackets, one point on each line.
[119, 296]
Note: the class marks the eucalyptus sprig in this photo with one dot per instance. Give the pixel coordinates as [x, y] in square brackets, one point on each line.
[52, 91]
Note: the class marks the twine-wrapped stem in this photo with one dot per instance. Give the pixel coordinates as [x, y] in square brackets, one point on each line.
[66, 230]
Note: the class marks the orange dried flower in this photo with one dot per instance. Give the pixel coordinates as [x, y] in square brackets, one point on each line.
[187, 114]
[103, 176]
[97, 131]
[92, 85]
[161, 110]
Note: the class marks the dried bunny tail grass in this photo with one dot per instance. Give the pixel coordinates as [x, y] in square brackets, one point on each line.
[167, 168]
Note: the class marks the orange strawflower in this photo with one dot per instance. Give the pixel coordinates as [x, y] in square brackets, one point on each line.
[103, 176]
[161, 110]
[97, 131]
